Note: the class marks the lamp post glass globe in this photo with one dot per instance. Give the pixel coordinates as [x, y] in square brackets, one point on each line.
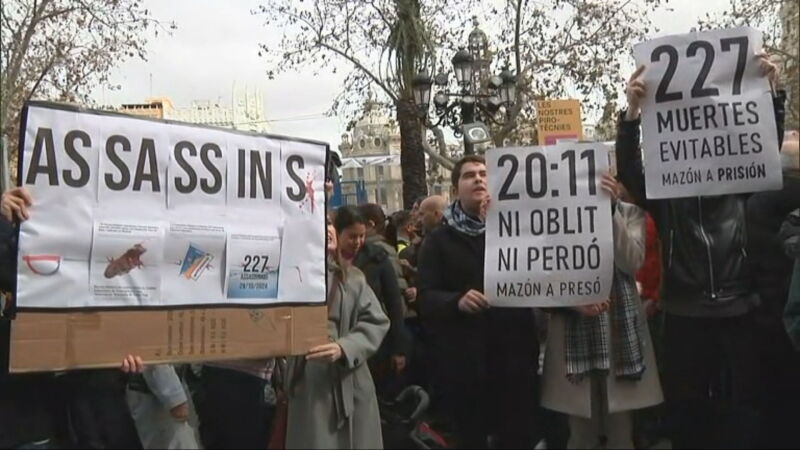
[421, 85]
[463, 65]
[508, 89]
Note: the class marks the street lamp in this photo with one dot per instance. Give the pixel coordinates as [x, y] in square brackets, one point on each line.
[465, 109]
[463, 65]
[508, 87]
[421, 84]
[479, 99]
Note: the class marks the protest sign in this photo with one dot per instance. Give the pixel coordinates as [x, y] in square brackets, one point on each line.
[137, 213]
[708, 124]
[548, 232]
[132, 215]
[558, 121]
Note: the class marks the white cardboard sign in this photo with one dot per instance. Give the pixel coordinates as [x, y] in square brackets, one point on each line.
[708, 125]
[132, 212]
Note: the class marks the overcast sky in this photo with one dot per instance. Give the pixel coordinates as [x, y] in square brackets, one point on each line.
[216, 45]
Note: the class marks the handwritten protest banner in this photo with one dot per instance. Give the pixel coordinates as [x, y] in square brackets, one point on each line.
[132, 212]
[548, 232]
[708, 125]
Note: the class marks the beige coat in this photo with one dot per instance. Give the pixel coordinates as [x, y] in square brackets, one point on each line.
[334, 405]
[558, 393]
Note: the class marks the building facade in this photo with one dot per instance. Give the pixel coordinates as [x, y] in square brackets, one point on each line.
[371, 162]
[244, 112]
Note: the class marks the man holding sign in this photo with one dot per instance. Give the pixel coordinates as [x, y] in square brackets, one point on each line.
[487, 356]
[709, 135]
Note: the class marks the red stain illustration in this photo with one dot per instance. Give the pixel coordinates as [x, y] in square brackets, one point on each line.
[310, 192]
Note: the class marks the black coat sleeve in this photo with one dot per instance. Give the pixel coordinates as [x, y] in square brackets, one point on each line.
[779, 105]
[8, 255]
[435, 300]
[394, 308]
[629, 159]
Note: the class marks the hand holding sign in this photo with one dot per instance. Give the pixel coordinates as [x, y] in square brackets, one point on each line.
[769, 69]
[635, 93]
[593, 310]
[473, 302]
[329, 352]
[15, 204]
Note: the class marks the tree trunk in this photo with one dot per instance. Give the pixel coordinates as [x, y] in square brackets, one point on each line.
[412, 153]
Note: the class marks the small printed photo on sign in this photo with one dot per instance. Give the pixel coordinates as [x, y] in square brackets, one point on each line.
[126, 263]
[253, 261]
[193, 270]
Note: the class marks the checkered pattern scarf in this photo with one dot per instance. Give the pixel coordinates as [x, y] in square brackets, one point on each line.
[587, 338]
[456, 217]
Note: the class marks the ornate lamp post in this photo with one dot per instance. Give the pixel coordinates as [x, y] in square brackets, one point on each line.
[475, 103]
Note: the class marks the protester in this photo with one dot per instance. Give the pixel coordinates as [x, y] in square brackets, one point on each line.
[332, 401]
[87, 407]
[160, 407]
[374, 262]
[599, 364]
[402, 233]
[429, 216]
[790, 234]
[486, 358]
[232, 404]
[708, 297]
[432, 211]
[772, 272]
[376, 235]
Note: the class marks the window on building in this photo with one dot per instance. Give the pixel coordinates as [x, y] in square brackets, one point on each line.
[382, 196]
[380, 172]
[360, 173]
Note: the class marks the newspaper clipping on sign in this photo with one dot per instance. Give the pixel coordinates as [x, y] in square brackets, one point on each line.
[708, 124]
[548, 232]
[138, 213]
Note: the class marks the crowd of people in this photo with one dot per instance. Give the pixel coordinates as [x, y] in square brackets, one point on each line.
[698, 343]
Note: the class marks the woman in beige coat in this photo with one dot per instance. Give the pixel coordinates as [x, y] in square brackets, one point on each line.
[332, 402]
[599, 398]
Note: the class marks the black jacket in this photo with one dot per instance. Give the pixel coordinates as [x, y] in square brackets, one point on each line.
[772, 268]
[382, 278]
[704, 239]
[470, 348]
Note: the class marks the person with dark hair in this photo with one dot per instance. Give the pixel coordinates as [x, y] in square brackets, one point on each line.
[332, 401]
[405, 233]
[376, 235]
[708, 296]
[486, 358]
[374, 261]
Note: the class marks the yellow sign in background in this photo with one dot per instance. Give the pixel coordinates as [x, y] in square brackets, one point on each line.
[559, 120]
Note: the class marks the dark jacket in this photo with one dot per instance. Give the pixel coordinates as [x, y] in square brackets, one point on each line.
[771, 267]
[375, 262]
[704, 239]
[790, 234]
[471, 348]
